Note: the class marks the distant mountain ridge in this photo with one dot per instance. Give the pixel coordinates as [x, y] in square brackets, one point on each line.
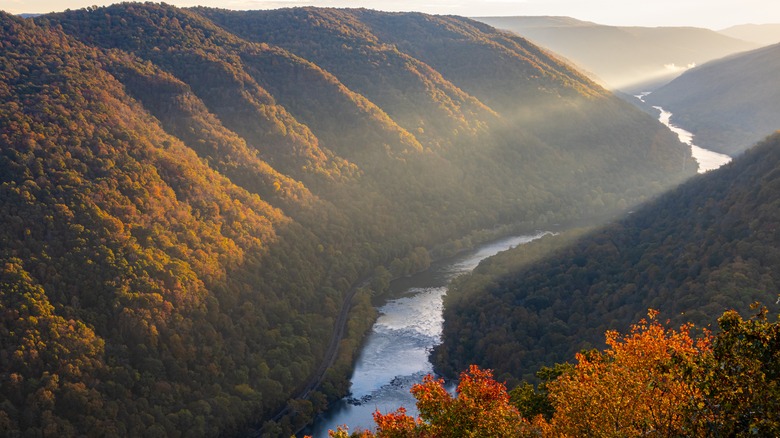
[193, 205]
[729, 103]
[764, 34]
[631, 59]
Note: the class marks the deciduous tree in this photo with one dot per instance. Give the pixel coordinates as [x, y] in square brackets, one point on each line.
[635, 387]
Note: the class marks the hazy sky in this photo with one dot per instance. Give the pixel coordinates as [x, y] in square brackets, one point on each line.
[715, 14]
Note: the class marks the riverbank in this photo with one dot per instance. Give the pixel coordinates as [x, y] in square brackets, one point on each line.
[356, 317]
[706, 159]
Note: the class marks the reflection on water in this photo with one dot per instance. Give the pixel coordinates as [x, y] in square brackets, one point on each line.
[395, 354]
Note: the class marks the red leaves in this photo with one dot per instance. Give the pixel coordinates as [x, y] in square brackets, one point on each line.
[396, 424]
[481, 408]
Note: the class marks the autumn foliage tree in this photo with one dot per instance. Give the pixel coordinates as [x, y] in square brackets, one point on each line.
[481, 408]
[635, 387]
[662, 382]
[740, 380]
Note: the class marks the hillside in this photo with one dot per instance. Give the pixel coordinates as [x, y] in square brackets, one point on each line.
[730, 103]
[188, 210]
[631, 59]
[764, 34]
[710, 245]
[428, 65]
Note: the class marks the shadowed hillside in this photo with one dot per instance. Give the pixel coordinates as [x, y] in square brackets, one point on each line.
[729, 104]
[708, 246]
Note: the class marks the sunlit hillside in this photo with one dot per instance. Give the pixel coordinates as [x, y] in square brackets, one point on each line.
[764, 34]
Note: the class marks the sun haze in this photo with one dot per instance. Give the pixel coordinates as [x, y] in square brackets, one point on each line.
[713, 14]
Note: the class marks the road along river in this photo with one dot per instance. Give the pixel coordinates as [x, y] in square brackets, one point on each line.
[395, 353]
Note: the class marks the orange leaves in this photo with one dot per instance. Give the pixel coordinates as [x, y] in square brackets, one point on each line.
[482, 404]
[397, 424]
[652, 381]
[635, 387]
[481, 408]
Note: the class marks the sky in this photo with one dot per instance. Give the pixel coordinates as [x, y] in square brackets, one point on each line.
[713, 14]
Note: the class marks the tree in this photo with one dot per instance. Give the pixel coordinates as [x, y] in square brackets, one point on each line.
[740, 380]
[530, 401]
[636, 387]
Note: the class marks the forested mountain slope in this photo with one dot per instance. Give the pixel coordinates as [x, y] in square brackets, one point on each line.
[186, 209]
[632, 59]
[416, 66]
[411, 92]
[730, 103]
[710, 245]
[141, 289]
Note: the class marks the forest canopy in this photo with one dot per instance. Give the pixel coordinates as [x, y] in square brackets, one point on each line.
[194, 202]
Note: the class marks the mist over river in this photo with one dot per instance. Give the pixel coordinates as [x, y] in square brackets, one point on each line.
[395, 354]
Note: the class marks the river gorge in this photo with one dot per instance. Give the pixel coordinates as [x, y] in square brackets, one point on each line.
[395, 354]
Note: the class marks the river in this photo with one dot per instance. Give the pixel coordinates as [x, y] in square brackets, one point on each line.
[395, 353]
[706, 159]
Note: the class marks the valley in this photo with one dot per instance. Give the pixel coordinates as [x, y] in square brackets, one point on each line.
[628, 58]
[705, 159]
[221, 223]
[728, 103]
